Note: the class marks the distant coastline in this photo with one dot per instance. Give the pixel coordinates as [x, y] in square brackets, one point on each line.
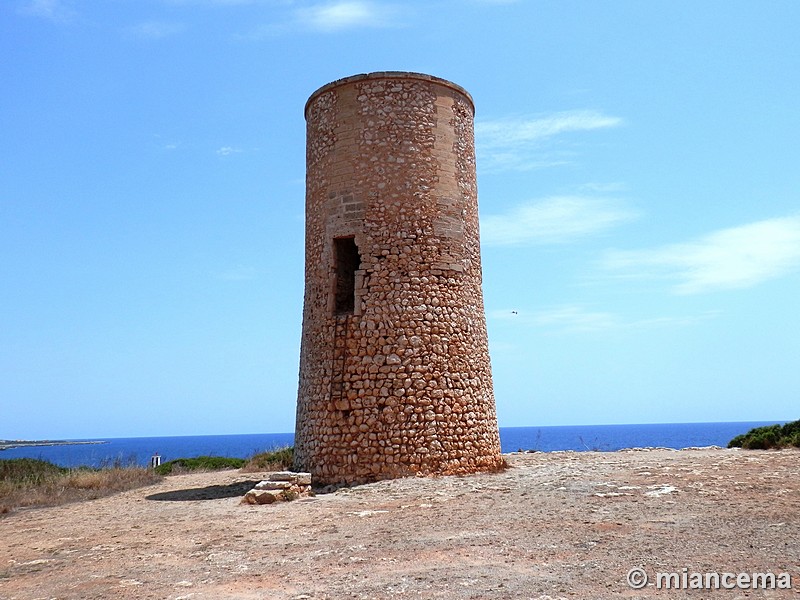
[8, 444]
[606, 438]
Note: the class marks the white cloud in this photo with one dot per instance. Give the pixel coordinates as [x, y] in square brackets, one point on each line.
[330, 17]
[577, 318]
[511, 132]
[53, 10]
[553, 220]
[228, 150]
[346, 14]
[738, 257]
[574, 318]
[518, 144]
[156, 29]
[219, 2]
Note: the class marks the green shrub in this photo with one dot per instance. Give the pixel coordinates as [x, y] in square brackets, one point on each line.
[737, 441]
[28, 471]
[199, 463]
[275, 460]
[769, 436]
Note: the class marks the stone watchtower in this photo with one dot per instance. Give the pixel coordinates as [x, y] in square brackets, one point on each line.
[395, 376]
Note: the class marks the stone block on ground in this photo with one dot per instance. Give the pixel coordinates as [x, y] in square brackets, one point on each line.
[303, 479]
[274, 485]
[283, 476]
[262, 496]
[281, 486]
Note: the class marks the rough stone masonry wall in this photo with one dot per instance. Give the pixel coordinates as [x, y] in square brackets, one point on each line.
[402, 385]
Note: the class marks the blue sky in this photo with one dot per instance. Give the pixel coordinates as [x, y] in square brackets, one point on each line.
[639, 188]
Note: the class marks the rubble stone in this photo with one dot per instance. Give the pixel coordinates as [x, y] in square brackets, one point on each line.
[274, 485]
[285, 476]
[303, 479]
[281, 486]
[257, 496]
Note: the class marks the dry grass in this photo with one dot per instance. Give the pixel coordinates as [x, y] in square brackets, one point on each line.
[30, 483]
[275, 460]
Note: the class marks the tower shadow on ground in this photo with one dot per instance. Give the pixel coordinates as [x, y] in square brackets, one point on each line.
[211, 492]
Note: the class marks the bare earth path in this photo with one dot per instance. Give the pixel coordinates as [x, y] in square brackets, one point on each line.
[567, 525]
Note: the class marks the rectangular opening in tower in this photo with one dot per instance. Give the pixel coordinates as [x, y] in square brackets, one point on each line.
[348, 261]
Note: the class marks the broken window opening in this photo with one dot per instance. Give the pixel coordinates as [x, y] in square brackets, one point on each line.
[348, 261]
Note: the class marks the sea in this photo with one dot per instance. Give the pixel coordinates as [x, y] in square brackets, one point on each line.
[604, 438]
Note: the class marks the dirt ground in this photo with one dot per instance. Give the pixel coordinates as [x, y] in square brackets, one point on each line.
[554, 525]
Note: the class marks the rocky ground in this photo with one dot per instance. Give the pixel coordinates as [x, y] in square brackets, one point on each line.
[567, 525]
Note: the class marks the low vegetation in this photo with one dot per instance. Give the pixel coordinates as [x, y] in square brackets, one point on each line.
[26, 482]
[29, 482]
[769, 436]
[199, 463]
[274, 460]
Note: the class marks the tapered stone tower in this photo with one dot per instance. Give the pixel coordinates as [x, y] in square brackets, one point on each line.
[395, 376]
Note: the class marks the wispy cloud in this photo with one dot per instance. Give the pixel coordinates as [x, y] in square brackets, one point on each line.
[166, 144]
[228, 150]
[578, 318]
[330, 17]
[574, 318]
[53, 10]
[155, 30]
[734, 258]
[346, 14]
[511, 132]
[518, 144]
[221, 2]
[553, 220]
